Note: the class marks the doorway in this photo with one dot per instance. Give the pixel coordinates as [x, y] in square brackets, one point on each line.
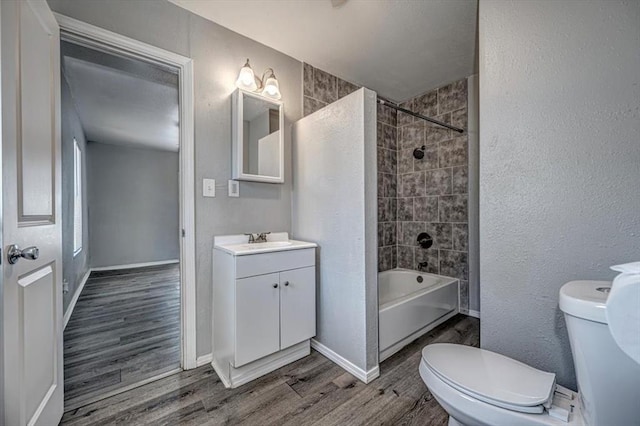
[128, 256]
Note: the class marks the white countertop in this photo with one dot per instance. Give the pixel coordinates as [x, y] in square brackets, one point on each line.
[238, 245]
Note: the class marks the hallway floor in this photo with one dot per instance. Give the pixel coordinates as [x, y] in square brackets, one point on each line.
[311, 391]
[124, 329]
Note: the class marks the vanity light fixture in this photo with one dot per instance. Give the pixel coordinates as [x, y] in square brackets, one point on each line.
[267, 85]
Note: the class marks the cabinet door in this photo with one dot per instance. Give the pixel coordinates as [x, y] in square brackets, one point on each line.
[257, 318]
[297, 306]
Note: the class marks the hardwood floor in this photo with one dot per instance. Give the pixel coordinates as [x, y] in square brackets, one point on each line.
[124, 329]
[311, 391]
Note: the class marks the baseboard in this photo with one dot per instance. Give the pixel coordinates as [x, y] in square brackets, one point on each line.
[475, 314]
[74, 299]
[135, 265]
[357, 372]
[204, 359]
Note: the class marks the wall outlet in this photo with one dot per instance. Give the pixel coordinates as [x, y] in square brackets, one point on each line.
[208, 187]
[65, 286]
[234, 188]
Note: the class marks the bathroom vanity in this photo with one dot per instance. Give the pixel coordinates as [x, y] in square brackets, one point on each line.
[264, 307]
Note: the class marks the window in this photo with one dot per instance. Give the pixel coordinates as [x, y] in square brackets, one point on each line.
[77, 198]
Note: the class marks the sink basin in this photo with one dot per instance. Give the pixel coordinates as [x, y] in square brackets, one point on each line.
[259, 246]
[237, 244]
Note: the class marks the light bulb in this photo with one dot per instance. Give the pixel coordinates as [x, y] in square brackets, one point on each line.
[271, 88]
[246, 79]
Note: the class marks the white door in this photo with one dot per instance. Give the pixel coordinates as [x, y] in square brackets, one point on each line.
[32, 334]
[257, 318]
[297, 306]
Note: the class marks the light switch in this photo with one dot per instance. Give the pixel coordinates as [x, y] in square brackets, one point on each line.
[208, 187]
[234, 188]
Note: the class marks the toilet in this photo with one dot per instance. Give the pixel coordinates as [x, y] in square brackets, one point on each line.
[480, 387]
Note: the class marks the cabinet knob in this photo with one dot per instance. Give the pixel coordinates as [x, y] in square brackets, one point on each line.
[286, 283]
[275, 285]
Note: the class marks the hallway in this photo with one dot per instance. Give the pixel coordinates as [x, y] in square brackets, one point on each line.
[124, 329]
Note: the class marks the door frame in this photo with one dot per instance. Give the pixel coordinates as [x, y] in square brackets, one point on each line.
[74, 30]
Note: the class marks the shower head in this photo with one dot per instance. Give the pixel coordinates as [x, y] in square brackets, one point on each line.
[418, 153]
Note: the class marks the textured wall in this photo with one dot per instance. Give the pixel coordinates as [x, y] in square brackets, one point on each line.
[559, 164]
[218, 54]
[133, 205]
[433, 191]
[336, 145]
[73, 267]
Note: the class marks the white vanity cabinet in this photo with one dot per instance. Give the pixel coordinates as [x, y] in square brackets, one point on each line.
[264, 310]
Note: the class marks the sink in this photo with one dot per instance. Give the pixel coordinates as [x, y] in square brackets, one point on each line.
[237, 244]
[259, 246]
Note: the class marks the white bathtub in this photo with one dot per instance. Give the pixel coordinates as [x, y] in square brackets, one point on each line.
[409, 309]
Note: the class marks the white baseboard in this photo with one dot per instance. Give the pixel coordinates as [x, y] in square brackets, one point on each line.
[74, 299]
[204, 359]
[472, 313]
[135, 265]
[357, 372]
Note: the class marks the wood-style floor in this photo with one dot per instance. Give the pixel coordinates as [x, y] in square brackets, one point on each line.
[311, 391]
[125, 328]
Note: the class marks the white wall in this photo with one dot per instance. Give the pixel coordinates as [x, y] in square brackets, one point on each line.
[75, 267]
[218, 54]
[334, 205]
[133, 205]
[559, 164]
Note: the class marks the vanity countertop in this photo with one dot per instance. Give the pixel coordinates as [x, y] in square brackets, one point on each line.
[237, 245]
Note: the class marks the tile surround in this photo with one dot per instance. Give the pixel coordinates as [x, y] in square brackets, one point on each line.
[440, 206]
[427, 195]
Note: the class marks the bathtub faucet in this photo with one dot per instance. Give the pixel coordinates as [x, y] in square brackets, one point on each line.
[422, 266]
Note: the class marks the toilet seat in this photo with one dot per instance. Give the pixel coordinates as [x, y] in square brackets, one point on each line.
[490, 377]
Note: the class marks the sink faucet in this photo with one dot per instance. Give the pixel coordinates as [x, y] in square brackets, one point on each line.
[258, 238]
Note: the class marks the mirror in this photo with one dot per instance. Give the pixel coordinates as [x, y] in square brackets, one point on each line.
[258, 139]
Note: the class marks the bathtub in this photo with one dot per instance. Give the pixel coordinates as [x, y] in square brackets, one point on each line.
[409, 309]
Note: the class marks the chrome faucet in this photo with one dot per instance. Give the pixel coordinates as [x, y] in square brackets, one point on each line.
[258, 238]
[422, 266]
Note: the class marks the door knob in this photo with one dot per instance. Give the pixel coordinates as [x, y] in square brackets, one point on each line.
[286, 283]
[275, 285]
[14, 253]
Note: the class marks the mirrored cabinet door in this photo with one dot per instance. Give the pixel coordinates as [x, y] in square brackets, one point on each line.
[257, 137]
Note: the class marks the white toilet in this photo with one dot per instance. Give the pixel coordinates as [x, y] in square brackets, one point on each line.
[479, 387]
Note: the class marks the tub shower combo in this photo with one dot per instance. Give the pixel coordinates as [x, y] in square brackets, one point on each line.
[363, 316]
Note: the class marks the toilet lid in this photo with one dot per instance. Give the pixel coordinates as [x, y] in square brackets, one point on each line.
[491, 377]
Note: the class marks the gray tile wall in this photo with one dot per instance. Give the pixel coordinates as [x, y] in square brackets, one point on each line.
[414, 196]
[432, 192]
[322, 88]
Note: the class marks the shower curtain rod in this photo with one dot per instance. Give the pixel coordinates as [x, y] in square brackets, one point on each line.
[383, 101]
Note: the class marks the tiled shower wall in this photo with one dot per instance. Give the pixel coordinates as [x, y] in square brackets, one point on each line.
[414, 196]
[432, 191]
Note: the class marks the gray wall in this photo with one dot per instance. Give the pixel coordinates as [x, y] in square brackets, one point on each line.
[218, 54]
[559, 164]
[73, 268]
[334, 145]
[133, 205]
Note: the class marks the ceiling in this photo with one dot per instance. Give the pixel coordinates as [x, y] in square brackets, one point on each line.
[399, 48]
[123, 101]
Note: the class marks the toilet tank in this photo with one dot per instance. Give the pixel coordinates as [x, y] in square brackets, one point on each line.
[608, 379]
